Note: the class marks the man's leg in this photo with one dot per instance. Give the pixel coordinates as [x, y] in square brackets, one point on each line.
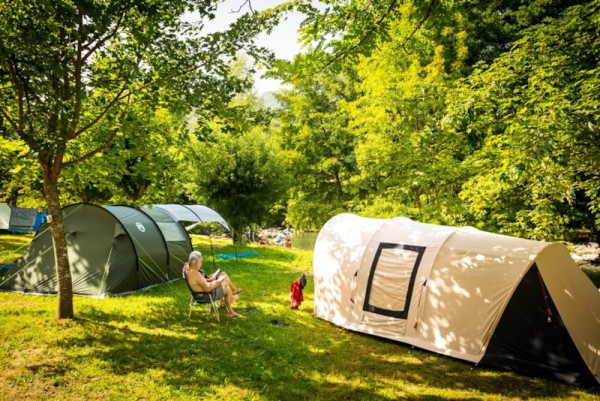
[234, 289]
[229, 298]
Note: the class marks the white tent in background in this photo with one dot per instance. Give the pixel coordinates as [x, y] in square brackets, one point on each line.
[191, 213]
[4, 216]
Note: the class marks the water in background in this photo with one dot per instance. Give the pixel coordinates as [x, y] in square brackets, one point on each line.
[304, 240]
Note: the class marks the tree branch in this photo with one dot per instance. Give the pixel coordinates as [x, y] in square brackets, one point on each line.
[98, 149]
[360, 42]
[246, 2]
[12, 123]
[20, 93]
[102, 40]
[371, 31]
[117, 98]
[78, 75]
[429, 9]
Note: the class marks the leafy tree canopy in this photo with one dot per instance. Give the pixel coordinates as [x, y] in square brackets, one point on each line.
[72, 71]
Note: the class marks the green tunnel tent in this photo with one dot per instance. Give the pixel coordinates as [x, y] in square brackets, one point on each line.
[112, 250]
[494, 300]
[177, 240]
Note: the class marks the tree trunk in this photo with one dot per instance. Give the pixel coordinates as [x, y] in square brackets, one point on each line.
[61, 256]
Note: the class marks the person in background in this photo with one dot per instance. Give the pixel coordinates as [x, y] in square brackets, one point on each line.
[250, 234]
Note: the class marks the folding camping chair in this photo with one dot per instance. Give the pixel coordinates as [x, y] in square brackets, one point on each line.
[201, 298]
[205, 300]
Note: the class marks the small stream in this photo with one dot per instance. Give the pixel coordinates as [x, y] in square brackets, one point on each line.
[304, 240]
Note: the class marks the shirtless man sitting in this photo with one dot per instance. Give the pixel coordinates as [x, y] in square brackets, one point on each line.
[218, 274]
[219, 287]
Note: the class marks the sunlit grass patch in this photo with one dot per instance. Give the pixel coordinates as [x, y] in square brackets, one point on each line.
[13, 245]
[144, 347]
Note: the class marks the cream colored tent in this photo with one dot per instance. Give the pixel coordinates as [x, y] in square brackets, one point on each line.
[500, 301]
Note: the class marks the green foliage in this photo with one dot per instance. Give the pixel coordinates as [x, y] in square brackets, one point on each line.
[240, 176]
[19, 178]
[406, 160]
[594, 275]
[533, 113]
[452, 112]
[70, 71]
[75, 77]
[314, 130]
[139, 166]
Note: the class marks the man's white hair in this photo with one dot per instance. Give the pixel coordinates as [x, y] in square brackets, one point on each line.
[195, 255]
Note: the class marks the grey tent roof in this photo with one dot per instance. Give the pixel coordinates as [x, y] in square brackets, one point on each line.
[191, 213]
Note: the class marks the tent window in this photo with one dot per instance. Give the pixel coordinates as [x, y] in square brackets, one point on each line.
[392, 278]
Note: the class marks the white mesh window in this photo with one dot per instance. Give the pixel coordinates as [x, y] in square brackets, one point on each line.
[392, 278]
[171, 232]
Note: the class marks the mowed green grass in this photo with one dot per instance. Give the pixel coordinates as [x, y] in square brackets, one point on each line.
[144, 347]
[12, 246]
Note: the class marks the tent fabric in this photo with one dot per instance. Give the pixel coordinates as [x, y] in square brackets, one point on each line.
[448, 290]
[148, 242]
[20, 219]
[178, 242]
[534, 347]
[112, 250]
[191, 213]
[4, 216]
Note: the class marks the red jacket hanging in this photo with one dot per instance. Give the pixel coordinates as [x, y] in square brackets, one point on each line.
[296, 292]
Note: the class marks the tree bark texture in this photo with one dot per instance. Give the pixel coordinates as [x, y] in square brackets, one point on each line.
[61, 255]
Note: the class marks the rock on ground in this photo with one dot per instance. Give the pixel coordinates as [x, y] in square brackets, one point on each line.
[586, 255]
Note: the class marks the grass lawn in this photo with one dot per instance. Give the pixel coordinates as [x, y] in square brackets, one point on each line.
[144, 347]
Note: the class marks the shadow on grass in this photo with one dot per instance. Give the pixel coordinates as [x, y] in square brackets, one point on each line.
[148, 339]
[306, 359]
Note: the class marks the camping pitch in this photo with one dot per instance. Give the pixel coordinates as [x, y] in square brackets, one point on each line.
[112, 250]
[494, 300]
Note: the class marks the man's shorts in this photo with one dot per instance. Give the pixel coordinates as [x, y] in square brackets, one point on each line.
[217, 293]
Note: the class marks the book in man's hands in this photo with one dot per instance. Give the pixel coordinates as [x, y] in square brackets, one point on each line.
[219, 271]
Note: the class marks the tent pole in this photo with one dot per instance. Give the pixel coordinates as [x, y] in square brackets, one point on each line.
[212, 250]
[234, 244]
[209, 235]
